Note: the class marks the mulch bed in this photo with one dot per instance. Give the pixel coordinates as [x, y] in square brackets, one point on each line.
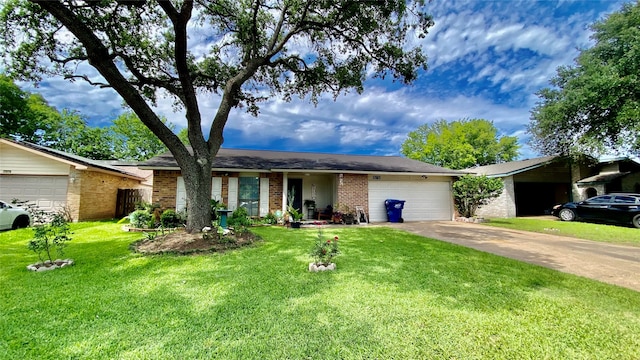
[182, 243]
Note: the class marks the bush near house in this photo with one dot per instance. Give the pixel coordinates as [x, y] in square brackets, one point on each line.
[471, 191]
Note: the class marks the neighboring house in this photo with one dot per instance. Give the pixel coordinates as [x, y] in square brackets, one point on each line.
[260, 181]
[534, 186]
[87, 189]
[620, 174]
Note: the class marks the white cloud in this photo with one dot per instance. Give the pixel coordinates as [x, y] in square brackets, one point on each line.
[486, 58]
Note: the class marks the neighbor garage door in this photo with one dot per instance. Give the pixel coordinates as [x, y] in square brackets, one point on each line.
[48, 192]
[424, 200]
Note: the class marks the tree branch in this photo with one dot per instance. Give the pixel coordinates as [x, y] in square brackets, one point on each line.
[99, 57]
[86, 78]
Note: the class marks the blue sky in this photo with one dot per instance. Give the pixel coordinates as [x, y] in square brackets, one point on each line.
[486, 60]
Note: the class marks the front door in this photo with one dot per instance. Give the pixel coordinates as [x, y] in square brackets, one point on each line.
[295, 187]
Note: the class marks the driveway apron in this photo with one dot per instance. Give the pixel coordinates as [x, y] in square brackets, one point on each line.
[609, 263]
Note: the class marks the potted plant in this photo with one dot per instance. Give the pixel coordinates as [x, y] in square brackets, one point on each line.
[348, 217]
[296, 217]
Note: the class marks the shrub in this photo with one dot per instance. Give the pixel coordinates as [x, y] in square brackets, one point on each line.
[239, 219]
[270, 218]
[470, 191]
[140, 219]
[170, 219]
[324, 250]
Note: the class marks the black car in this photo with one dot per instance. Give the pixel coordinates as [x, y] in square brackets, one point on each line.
[614, 208]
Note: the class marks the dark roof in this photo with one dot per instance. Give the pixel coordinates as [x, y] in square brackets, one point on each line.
[511, 167]
[103, 165]
[602, 178]
[267, 160]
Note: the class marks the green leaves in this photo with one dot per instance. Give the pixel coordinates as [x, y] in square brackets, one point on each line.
[50, 238]
[460, 144]
[132, 140]
[471, 191]
[595, 105]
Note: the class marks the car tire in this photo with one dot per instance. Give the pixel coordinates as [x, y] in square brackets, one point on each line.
[20, 222]
[636, 221]
[567, 215]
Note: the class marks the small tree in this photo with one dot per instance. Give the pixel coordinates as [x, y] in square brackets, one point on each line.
[471, 191]
[50, 238]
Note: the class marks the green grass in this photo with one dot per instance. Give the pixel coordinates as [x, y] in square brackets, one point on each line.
[394, 296]
[582, 230]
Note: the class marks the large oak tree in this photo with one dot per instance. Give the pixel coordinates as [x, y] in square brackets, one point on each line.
[594, 106]
[257, 49]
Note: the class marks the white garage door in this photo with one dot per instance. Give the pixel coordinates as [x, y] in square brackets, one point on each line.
[48, 192]
[424, 200]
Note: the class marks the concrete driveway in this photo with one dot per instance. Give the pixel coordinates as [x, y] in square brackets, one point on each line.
[614, 264]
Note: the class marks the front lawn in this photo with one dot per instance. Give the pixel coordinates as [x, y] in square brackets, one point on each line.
[394, 296]
[619, 234]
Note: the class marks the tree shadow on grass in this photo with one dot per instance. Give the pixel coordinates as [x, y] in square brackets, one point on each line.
[394, 295]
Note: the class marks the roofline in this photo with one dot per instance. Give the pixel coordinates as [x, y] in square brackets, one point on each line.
[514, 172]
[311, 171]
[75, 164]
[47, 155]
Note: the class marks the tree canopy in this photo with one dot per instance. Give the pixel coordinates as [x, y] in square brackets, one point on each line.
[460, 144]
[134, 141]
[593, 106]
[28, 117]
[255, 49]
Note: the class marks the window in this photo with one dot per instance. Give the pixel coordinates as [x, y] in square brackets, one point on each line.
[625, 200]
[249, 194]
[600, 200]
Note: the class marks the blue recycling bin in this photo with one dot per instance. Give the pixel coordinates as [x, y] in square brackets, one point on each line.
[394, 210]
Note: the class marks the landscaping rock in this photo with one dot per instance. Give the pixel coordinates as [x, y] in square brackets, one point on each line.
[313, 267]
[49, 265]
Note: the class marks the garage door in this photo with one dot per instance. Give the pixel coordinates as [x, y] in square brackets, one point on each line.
[48, 192]
[424, 200]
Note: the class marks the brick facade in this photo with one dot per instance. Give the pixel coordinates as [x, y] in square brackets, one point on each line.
[165, 185]
[276, 183]
[93, 195]
[353, 190]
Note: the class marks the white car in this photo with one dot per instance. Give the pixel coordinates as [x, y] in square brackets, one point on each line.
[13, 217]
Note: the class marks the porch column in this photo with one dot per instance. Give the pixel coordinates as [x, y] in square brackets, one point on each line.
[285, 185]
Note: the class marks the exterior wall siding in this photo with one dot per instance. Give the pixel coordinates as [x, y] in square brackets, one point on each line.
[21, 162]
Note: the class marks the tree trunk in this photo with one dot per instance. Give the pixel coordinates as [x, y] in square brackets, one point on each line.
[197, 182]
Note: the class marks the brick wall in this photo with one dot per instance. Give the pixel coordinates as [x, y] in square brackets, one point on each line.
[93, 195]
[165, 187]
[276, 182]
[353, 189]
